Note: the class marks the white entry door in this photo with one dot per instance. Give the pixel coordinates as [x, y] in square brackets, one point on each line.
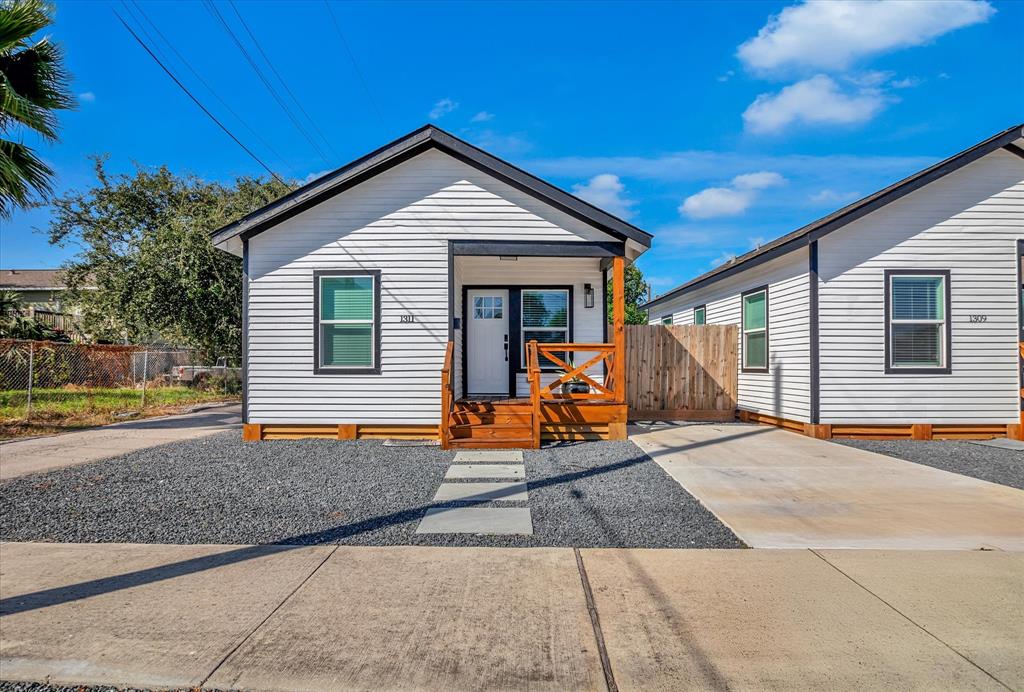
[487, 341]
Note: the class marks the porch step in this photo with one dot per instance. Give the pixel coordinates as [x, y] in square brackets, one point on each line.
[520, 418]
[493, 443]
[493, 407]
[490, 431]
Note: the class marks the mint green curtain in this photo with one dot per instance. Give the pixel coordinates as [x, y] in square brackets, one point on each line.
[346, 298]
[347, 345]
[753, 311]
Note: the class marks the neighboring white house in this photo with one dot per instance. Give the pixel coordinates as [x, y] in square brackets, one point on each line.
[356, 282]
[898, 315]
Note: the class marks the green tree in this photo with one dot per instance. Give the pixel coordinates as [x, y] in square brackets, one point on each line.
[33, 86]
[636, 295]
[146, 249]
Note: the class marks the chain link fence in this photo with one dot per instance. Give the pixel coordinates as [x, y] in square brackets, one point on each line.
[53, 381]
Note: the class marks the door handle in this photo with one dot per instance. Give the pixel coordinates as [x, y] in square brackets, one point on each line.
[506, 348]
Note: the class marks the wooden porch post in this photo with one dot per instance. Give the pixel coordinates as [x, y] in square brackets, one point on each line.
[619, 325]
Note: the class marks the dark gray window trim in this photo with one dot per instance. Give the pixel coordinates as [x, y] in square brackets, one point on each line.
[1020, 319]
[840, 218]
[948, 341]
[514, 327]
[767, 327]
[704, 307]
[667, 317]
[333, 370]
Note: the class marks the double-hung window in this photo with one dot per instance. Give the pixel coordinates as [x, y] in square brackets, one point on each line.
[917, 321]
[544, 319]
[700, 314]
[348, 321]
[755, 330]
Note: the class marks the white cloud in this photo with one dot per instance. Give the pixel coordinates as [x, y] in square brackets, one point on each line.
[442, 108]
[318, 174]
[482, 117]
[699, 165]
[715, 202]
[834, 34]
[829, 196]
[606, 192]
[906, 83]
[87, 97]
[499, 143]
[814, 101]
[727, 76]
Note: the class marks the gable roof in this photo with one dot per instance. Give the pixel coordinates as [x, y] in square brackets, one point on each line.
[403, 149]
[836, 220]
[38, 279]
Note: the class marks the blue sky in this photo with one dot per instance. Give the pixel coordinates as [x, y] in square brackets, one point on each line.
[715, 126]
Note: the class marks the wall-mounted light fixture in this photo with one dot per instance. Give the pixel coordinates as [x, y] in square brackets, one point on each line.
[588, 296]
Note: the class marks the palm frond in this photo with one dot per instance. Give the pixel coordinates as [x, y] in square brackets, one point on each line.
[33, 85]
[23, 176]
[19, 19]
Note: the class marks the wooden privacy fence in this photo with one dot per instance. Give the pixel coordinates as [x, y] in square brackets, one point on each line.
[681, 372]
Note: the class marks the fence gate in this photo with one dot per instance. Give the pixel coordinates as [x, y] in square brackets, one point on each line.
[681, 372]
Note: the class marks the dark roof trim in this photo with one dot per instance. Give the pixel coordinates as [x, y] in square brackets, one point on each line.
[405, 148]
[836, 220]
[530, 248]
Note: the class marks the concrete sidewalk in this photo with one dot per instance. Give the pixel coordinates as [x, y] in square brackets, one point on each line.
[38, 454]
[311, 618]
[777, 489]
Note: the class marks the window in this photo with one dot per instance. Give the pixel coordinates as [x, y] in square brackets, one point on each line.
[487, 308]
[348, 321]
[755, 330]
[667, 319]
[545, 319]
[917, 321]
[700, 314]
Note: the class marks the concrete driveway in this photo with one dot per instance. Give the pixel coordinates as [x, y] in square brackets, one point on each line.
[777, 489]
[417, 618]
[22, 457]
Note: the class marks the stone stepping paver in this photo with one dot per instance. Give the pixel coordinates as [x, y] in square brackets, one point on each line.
[488, 520]
[500, 455]
[510, 471]
[482, 492]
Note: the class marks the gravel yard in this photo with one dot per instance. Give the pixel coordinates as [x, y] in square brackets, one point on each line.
[218, 489]
[1003, 466]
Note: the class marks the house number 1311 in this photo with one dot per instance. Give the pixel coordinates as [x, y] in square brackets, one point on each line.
[407, 318]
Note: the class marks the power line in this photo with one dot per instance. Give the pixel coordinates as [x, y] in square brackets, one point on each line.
[196, 74]
[281, 79]
[197, 101]
[212, 9]
[352, 59]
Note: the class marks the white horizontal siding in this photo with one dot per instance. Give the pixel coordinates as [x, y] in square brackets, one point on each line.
[398, 222]
[967, 222]
[538, 271]
[785, 389]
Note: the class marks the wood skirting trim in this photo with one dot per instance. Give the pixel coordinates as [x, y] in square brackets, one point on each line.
[898, 431]
[684, 414]
[343, 431]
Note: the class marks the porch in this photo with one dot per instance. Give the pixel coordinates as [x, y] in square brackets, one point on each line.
[475, 411]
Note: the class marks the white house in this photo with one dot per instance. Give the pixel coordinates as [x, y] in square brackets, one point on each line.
[356, 284]
[896, 316]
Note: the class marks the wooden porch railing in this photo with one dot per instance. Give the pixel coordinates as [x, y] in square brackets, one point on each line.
[600, 391]
[447, 397]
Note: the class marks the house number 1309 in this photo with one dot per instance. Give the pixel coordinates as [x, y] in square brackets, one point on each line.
[978, 318]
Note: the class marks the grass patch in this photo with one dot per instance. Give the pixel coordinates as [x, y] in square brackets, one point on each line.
[58, 410]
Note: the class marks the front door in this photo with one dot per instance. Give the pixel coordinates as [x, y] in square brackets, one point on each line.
[487, 341]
